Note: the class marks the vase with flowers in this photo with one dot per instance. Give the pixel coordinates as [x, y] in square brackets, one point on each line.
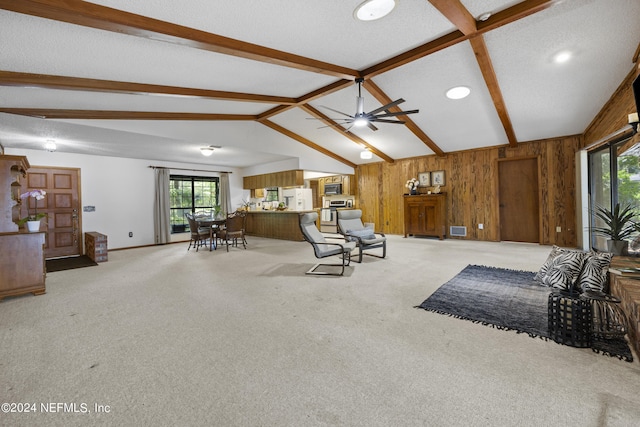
[412, 185]
[33, 220]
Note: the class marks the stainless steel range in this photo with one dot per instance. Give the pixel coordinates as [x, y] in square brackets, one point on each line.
[329, 217]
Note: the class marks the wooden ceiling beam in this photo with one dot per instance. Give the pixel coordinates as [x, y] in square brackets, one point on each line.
[513, 13]
[490, 78]
[504, 17]
[383, 99]
[338, 128]
[91, 15]
[455, 12]
[306, 142]
[311, 96]
[45, 81]
[45, 113]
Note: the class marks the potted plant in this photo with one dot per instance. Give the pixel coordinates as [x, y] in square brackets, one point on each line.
[33, 221]
[217, 212]
[618, 225]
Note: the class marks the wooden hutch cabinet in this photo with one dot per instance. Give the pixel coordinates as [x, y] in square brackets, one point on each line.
[22, 266]
[425, 215]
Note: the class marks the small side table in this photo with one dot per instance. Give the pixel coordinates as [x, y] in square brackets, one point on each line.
[569, 319]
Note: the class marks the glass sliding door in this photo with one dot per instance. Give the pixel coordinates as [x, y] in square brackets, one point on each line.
[614, 177]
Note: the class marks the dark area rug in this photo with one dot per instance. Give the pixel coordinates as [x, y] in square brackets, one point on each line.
[60, 264]
[508, 300]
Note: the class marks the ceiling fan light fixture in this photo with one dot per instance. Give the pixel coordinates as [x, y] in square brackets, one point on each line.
[360, 122]
[371, 10]
[366, 154]
[458, 92]
[207, 151]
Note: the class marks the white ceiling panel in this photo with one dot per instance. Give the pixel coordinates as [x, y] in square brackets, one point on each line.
[543, 99]
[324, 30]
[546, 99]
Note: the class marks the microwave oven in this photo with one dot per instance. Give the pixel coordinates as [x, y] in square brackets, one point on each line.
[332, 189]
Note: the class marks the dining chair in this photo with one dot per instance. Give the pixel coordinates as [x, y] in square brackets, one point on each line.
[233, 230]
[199, 235]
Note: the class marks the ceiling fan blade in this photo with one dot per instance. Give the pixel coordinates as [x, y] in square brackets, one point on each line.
[336, 111]
[399, 122]
[386, 107]
[371, 126]
[399, 113]
[349, 120]
[335, 125]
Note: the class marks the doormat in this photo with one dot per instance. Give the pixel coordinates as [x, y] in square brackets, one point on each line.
[60, 264]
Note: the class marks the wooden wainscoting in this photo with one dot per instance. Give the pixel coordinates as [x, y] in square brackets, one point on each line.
[471, 185]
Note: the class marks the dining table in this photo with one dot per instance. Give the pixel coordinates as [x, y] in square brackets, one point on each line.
[213, 224]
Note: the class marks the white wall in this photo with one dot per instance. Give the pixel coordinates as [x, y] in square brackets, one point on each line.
[122, 191]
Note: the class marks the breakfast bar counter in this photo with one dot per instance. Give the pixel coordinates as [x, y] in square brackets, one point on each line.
[275, 224]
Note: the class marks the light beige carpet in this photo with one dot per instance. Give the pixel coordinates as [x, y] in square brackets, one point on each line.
[163, 336]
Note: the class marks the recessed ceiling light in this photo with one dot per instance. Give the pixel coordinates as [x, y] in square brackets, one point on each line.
[562, 57]
[371, 10]
[458, 92]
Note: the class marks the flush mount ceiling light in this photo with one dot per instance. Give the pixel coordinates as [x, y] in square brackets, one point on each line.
[562, 57]
[207, 151]
[366, 154]
[50, 145]
[458, 92]
[485, 16]
[371, 10]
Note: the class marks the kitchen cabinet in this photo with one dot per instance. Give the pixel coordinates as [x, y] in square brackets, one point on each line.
[291, 178]
[345, 180]
[425, 215]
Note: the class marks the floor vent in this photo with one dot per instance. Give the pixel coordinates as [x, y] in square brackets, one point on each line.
[457, 231]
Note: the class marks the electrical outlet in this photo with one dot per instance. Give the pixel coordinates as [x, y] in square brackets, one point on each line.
[131, 234]
[558, 229]
[480, 226]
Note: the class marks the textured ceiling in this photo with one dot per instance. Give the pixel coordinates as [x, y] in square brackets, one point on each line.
[542, 99]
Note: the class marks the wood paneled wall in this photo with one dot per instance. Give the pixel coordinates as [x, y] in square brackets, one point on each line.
[614, 115]
[471, 179]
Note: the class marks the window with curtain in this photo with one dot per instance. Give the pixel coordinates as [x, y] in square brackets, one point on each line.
[191, 194]
[614, 177]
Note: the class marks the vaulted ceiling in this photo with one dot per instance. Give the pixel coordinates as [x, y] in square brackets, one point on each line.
[159, 79]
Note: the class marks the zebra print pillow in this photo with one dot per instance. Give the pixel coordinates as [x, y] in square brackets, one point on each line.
[593, 276]
[539, 277]
[564, 269]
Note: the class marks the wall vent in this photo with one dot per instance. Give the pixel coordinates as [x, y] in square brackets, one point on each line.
[457, 231]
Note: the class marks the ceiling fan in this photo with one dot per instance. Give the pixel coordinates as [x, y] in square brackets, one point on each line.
[362, 118]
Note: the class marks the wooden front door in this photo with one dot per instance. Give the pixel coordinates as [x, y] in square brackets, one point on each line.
[62, 206]
[519, 200]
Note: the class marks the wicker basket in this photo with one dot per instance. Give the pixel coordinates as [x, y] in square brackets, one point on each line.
[569, 319]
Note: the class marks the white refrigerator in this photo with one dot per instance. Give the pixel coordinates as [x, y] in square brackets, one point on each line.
[297, 199]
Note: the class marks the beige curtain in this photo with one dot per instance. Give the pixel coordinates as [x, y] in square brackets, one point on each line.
[161, 208]
[225, 194]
